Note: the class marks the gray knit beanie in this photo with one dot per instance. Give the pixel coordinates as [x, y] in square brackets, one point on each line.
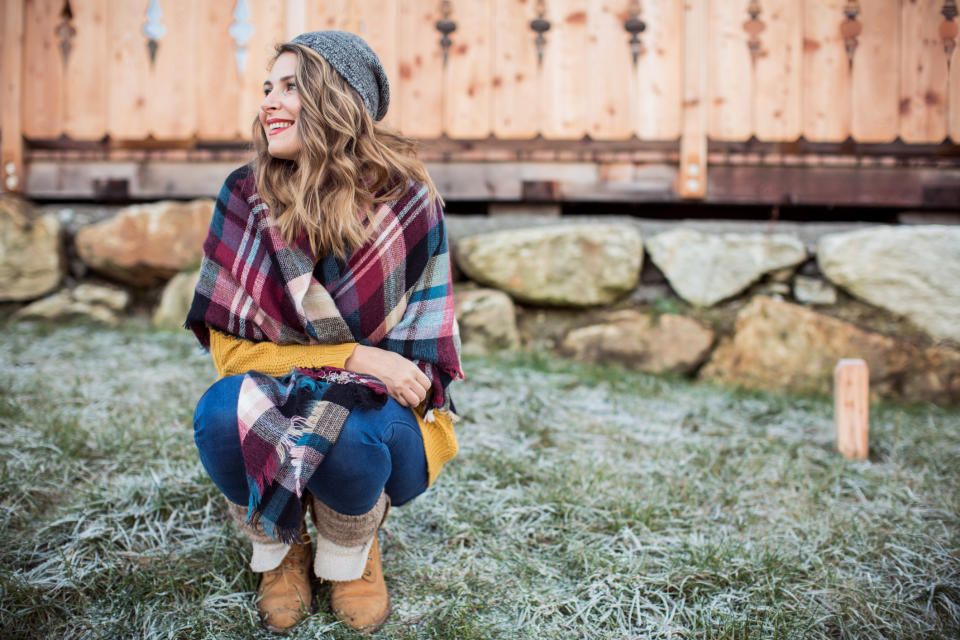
[356, 62]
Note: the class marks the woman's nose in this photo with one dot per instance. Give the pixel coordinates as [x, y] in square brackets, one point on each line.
[268, 102]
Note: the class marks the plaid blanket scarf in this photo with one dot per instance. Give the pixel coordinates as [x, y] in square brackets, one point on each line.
[393, 293]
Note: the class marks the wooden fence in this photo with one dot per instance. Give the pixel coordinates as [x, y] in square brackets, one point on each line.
[184, 73]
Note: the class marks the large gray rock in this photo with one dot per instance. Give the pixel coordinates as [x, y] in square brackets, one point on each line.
[706, 268]
[96, 303]
[31, 260]
[487, 320]
[573, 265]
[146, 245]
[657, 344]
[913, 271]
[175, 300]
[787, 347]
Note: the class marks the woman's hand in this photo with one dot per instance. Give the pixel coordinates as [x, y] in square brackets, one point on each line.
[405, 382]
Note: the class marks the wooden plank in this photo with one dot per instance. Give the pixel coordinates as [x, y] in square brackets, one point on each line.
[269, 22]
[894, 186]
[874, 93]
[607, 83]
[85, 81]
[172, 91]
[851, 407]
[466, 96]
[923, 73]
[906, 187]
[565, 66]
[11, 81]
[329, 14]
[499, 149]
[42, 87]
[826, 72]
[15, 42]
[295, 19]
[778, 72]
[953, 115]
[658, 91]
[219, 110]
[731, 78]
[420, 63]
[514, 95]
[128, 73]
[378, 26]
[523, 209]
[692, 174]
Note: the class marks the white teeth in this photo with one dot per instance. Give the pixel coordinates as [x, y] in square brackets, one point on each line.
[279, 125]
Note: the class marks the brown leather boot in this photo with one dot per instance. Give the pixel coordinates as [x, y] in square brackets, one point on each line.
[364, 603]
[284, 592]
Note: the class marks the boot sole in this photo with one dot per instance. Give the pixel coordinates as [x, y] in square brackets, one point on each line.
[283, 630]
[371, 628]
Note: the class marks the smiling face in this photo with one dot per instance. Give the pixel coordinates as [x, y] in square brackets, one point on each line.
[280, 108]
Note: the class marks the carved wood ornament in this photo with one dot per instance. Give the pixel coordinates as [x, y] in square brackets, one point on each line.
[446, 26]
[154, 29]
[66, 31]
[949, 28]
[754, 27]
[540, 25]
[851, 29]
[635, 26]
[240, 31]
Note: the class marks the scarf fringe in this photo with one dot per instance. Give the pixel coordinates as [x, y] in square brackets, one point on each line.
[431, 415]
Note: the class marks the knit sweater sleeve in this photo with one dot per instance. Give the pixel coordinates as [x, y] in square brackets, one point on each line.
[232, 356]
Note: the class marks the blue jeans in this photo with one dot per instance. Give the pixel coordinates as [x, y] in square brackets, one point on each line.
[378, 450]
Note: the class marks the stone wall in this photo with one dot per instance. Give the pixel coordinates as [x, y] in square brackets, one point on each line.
[749, 304]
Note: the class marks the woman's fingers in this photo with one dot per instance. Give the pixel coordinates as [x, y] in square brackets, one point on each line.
[413, 397]
[422, 394]
[400, 399]
[406, 397]
[414, 394]
[416, 385]
[423, 379]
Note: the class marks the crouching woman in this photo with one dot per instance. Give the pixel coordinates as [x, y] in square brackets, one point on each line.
[325, 301]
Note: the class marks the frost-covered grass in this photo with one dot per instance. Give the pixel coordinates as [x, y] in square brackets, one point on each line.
[585, 503]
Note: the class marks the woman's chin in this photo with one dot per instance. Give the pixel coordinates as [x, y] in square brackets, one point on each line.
[282, 154]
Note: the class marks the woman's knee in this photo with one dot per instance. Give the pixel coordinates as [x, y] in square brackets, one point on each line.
[215, 416]
[370, 439]
[359, 455]
[217, 438]
[408, 477]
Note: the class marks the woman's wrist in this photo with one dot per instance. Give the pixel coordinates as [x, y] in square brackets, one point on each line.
[354, 361]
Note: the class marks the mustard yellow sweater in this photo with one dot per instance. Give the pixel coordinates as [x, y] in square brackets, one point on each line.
[232, 356]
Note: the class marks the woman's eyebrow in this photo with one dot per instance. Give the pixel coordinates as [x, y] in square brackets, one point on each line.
[266, 82]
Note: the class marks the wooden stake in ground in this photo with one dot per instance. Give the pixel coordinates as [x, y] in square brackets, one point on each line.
[851, 403]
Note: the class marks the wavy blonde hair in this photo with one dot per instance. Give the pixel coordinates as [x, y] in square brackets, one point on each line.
[347, 164]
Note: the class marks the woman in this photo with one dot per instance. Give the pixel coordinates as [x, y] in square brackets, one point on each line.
[325, 301]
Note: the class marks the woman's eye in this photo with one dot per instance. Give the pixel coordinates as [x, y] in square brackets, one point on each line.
[291, 86]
